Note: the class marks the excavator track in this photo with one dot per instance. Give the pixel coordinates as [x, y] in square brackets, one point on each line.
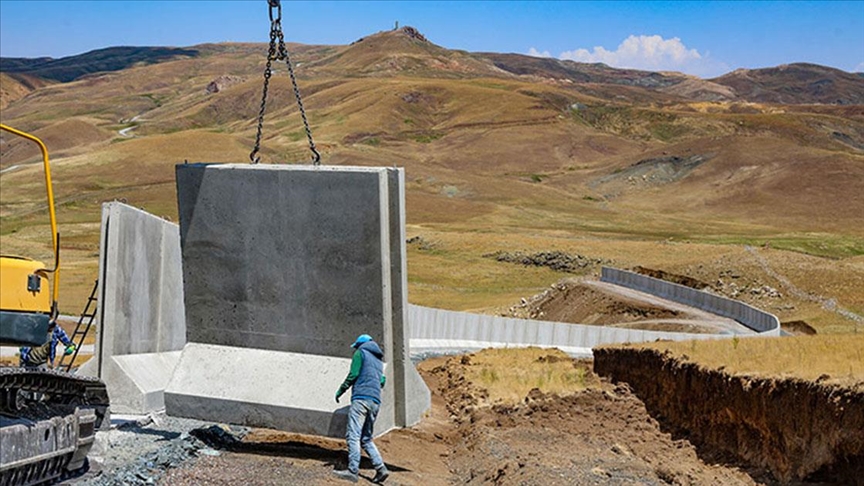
[48, 423]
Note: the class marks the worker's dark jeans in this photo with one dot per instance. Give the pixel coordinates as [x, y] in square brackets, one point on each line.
[361, 421]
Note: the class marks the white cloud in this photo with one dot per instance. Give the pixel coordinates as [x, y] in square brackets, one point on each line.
[858, 69]
[648, 52]
[535, 53]
[644, 52]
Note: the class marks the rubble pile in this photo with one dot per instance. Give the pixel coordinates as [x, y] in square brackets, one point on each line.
[140, 452]
[556, 260]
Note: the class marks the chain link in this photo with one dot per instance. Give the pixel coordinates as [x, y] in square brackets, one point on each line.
[277, 54]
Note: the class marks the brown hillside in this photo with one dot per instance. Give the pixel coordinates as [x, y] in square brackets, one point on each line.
[62, 139]
[404, 51]
[13, 87]
[796, 83]
[495, 160]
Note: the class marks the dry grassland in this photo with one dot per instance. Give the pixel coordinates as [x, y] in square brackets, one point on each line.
[509, 374]
[829, 359]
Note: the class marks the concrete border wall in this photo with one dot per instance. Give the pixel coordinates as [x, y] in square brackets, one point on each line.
[141, 323]
[760, 321]
[438, 330]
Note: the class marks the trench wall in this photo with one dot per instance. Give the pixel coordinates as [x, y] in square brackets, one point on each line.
[795, 429]
[141, 324]
[760, 321]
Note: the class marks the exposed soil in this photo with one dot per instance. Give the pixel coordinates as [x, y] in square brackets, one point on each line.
[590, 302]
[599, 435]
[799, 430]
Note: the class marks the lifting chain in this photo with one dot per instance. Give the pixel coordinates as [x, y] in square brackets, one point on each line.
[278, 52]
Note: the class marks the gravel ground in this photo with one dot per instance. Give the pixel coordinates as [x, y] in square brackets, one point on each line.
[139, 451]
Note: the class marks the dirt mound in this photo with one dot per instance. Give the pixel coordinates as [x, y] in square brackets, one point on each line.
[798, 327]
[584, 302]
[556, 260]
[578, 303]
[729, 283]
[799, 430]
[671, 277]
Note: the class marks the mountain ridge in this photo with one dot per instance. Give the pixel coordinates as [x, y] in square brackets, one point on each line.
[407, 52]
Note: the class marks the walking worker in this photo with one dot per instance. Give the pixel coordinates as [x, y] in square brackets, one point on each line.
[43, 356]
[366, 379]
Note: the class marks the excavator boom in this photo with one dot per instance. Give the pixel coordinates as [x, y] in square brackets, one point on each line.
[28, 300]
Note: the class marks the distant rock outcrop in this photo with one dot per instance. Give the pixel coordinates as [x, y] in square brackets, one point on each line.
[223, 82]
[413, 33]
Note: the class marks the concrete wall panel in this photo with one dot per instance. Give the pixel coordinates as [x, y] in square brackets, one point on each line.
[294, 260]
[141, 323]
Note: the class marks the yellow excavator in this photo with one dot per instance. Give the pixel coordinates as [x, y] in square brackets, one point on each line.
[27, 301]
[48, 418]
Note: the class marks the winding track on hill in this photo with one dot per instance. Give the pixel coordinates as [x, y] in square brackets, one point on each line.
[827, 303]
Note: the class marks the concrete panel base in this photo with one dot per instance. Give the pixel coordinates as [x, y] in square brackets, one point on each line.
[264, 388]
[137, 381]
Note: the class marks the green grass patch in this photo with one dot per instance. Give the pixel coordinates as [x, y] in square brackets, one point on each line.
[427, 137]
[156, 99]
[821, 245]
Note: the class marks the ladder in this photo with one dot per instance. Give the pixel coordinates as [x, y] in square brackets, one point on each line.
[81, 329]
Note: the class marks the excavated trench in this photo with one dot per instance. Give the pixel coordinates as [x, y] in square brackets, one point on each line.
[797, 430]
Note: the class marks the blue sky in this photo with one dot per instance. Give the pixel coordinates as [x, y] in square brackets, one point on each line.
[702, 38]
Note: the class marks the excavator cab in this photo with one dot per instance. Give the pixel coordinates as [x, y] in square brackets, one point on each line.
[25, 302]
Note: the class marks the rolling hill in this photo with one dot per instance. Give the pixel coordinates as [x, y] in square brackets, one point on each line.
[101, 60]
[798, 83]
[499, 150]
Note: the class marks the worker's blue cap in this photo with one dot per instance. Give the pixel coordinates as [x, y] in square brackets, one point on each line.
[363, 338]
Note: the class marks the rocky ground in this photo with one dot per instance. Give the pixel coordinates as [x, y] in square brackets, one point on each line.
[601, 434]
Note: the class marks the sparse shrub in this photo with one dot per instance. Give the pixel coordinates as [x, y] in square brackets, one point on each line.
[426, 137]
[536, 178]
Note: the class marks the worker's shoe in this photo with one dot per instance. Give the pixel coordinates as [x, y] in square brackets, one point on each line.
[381, 475]
[346, 475]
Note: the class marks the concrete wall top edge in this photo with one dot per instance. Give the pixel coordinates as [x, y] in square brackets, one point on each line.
[292, 167]
[120, 206]
[629, 279]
